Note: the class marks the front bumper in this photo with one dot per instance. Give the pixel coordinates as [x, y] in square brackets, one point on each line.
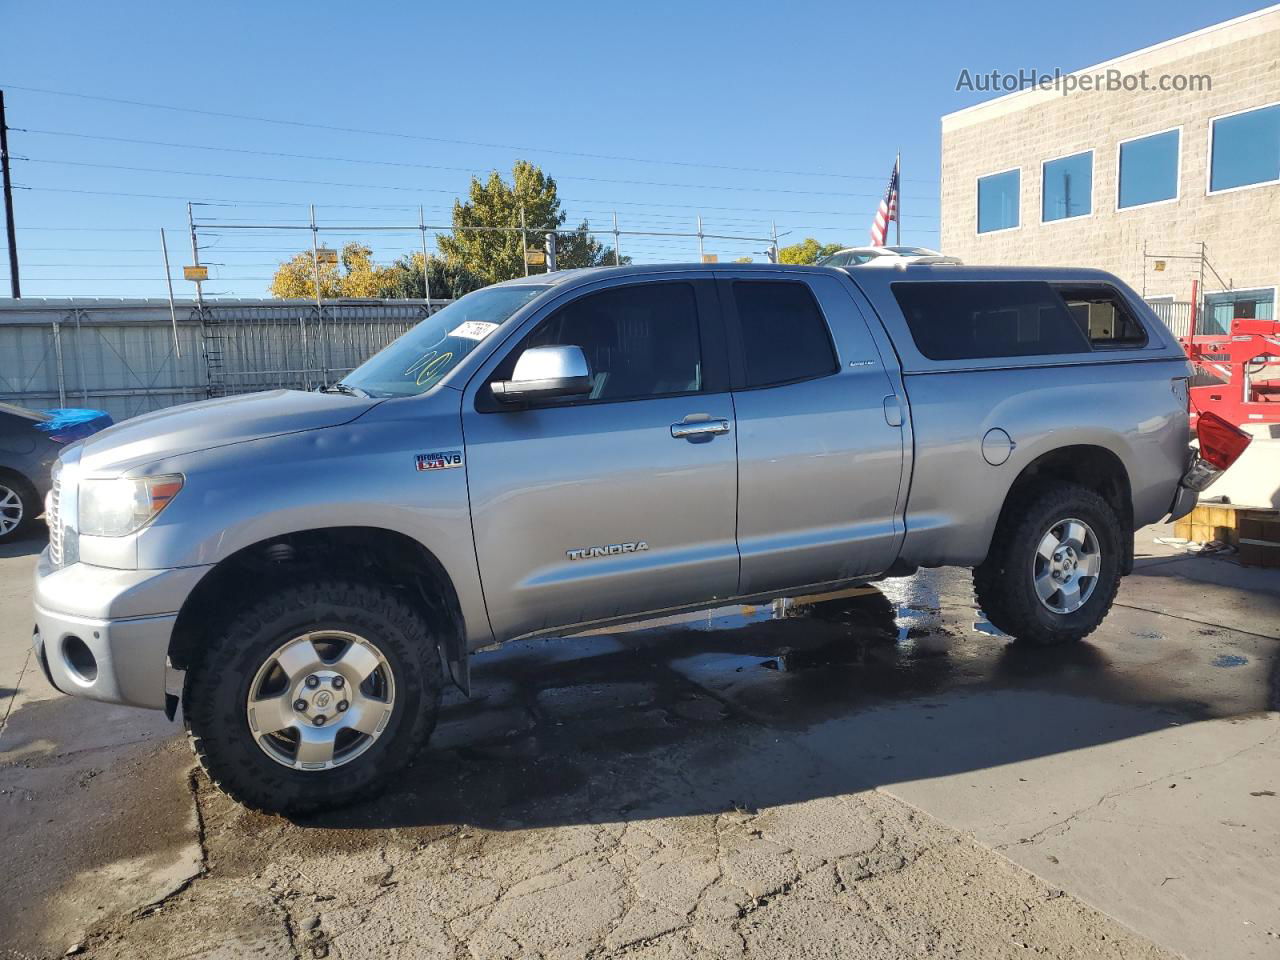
[104, 633]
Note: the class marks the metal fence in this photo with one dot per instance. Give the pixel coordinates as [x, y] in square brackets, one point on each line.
[130, 356]
[1175, 314]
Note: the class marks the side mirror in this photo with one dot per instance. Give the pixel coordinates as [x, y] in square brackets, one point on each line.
[545, 373]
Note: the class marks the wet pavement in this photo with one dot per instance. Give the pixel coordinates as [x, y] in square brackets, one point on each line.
[879, 772]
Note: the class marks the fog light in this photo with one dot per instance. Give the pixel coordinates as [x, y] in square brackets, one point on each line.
[79, 659]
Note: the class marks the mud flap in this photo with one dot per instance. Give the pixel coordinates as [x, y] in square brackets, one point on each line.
[454, 654]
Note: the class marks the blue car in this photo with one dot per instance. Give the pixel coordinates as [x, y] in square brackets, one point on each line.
[30, 442]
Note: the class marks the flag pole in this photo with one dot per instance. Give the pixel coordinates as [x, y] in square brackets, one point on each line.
[897, 217]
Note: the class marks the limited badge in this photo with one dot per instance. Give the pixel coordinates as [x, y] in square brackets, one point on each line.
[442, 460]
[473, 329]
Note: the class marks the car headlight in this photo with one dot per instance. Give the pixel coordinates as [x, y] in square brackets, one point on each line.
[117, 508]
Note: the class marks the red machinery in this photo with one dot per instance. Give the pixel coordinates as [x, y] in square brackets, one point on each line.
[1248, 359]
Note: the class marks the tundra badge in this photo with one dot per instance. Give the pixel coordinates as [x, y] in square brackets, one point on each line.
[613, 549]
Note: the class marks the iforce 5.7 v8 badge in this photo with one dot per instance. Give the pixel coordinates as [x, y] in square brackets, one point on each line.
[441, 460]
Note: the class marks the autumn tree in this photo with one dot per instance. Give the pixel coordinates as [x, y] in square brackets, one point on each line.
[355, 276]
[808, 250]
[496, 255]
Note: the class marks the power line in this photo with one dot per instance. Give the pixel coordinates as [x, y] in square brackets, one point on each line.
[216, 201]
[378, 186]
[85, 229]
[423, 137]
[422, 166]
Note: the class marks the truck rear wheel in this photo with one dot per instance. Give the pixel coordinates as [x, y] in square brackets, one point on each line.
[314, 696]
[1054, 566]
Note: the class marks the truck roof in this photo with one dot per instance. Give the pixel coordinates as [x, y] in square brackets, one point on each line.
[867, 279]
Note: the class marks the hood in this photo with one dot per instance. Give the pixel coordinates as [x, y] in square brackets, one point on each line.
[214, 423]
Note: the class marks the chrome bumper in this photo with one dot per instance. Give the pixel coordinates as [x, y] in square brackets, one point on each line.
[104, 634]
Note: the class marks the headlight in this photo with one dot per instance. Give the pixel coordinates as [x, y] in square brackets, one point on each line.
[116, 508]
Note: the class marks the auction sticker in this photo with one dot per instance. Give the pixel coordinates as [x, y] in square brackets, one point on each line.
[473, 330]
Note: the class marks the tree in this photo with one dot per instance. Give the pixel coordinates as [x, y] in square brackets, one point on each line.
[448, 280]
[357, 276]
[295, 279]
[496, 255]
[808, 250]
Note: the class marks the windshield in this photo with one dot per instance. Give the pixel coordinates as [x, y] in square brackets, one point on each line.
[846, 258]
[416, 362]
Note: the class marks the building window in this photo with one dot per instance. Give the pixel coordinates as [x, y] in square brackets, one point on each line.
[1149, 169]
[1221, 308]
[998, 201]
[1067, 188]
[1245, 149]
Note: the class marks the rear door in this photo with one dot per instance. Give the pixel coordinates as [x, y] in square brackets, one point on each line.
[623, 502]
[820, 441]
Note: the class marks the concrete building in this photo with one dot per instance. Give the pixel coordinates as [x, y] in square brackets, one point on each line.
[1138, 165]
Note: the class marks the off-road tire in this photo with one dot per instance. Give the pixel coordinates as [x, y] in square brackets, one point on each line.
[1004, 584]
[30, 501]
[214, 696]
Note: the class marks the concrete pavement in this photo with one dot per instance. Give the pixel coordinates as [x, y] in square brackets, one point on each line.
[880, 775]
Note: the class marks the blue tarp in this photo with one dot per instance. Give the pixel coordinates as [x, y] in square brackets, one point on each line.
[72, 423]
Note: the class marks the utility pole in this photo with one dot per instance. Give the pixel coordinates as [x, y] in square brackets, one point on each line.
[173, 311]
[195, 258]
[524, 242]
[426, 263]
[15, 286]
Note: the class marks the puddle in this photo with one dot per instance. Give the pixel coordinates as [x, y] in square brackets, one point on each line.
[983, 625]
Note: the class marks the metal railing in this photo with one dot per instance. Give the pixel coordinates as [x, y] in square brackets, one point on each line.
[1176, 315]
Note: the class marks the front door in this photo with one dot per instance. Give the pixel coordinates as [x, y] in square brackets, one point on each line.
[622, 502]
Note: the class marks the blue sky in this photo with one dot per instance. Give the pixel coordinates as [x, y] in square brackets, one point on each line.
[746, 113]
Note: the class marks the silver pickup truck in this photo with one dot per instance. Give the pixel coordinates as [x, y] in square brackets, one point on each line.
[302, 572]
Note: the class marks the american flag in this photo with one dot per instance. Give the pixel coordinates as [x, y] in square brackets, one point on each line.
[888, 211]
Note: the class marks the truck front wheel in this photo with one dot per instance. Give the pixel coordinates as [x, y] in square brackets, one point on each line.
[314, 696]
[1054, 566]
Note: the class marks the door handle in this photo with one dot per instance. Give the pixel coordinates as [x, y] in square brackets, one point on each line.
[696, 429]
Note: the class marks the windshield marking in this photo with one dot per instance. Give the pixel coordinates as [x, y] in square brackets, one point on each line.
[425, 367]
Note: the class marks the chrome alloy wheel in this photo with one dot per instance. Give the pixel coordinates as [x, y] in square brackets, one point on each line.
[321, 700]
[10, 510]
[1066, 566]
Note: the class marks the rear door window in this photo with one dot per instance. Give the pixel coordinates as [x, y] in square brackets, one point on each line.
[968, 321]
[784, 335]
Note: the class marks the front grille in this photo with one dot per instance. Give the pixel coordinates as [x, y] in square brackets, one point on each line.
[53, 516]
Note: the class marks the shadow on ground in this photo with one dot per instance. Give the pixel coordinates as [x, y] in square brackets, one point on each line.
[29, 544]
[753, 709]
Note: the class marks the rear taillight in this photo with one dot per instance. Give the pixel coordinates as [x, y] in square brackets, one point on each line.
[1221, 442]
